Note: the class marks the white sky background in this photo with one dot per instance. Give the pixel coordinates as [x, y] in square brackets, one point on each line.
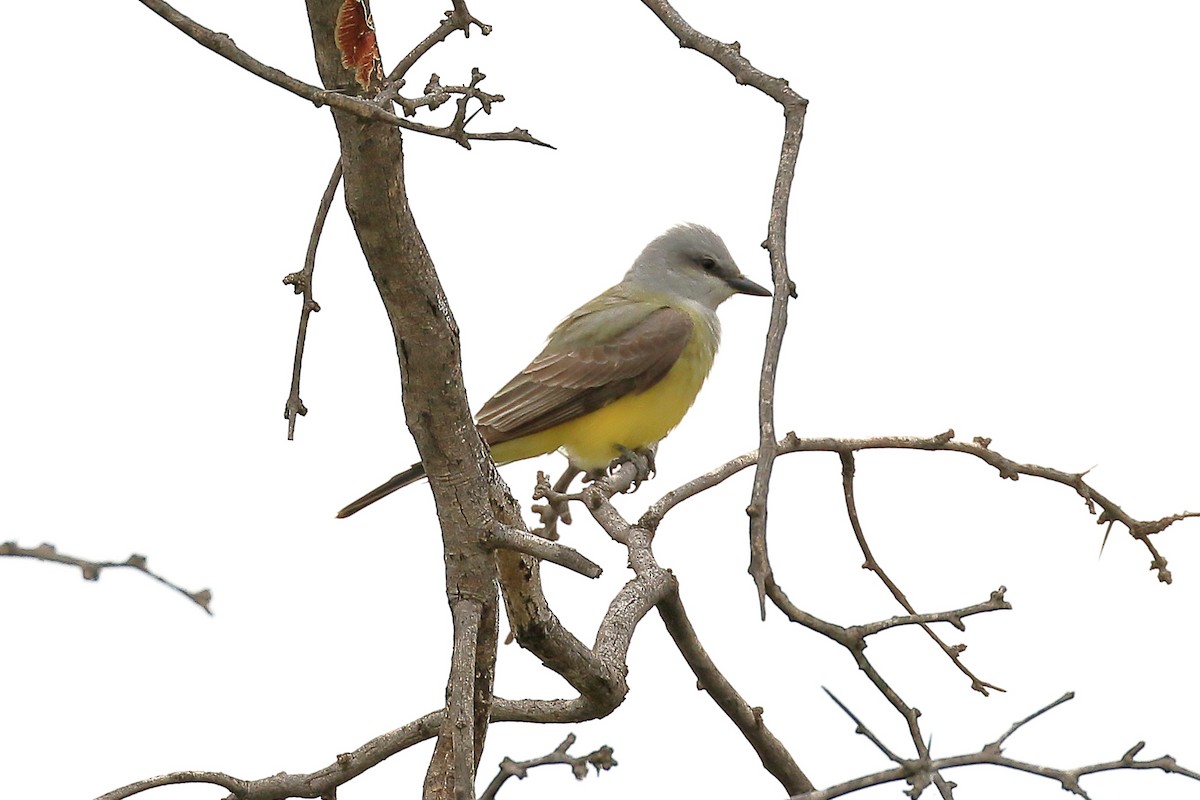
[992, 229]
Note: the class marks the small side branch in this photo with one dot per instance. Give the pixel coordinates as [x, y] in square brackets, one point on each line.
[954, 653]
[601, 759]
[502, 536]
[91, 569]
[997, 746]
[861, 728]
[917, 772]
[457, 19]
[1109, 511]
[994, 603]
[224, 46]
[301, 282]
[556, 508]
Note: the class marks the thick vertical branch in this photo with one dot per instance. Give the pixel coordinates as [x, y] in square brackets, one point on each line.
[461, 475]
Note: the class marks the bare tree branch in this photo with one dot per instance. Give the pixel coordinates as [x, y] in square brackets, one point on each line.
[483, 537]
[774, 756]
[223, 45]
[916, 772]
[637, 541]
[301, 282]
[994, 603]
[314, 784]
[457, 19]
[551, 513]
[91, 569]
[730, 57]
[347, 766]
[980, 448]
[460, 695]
[502, 536]
[600, 759]
[1016, 726]
[953, 653]
[862, 729]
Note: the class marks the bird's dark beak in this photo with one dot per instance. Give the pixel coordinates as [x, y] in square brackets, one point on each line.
[743, 285]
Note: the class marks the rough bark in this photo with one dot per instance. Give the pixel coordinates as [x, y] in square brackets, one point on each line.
[434, 403]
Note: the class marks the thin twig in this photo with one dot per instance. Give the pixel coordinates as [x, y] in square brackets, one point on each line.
[554, 511]
[794, 106]
[953, 653]
[601, 759]
[457, 19]
[301, 282]
[862, 729]
[916, 772]
[223, 45]
[1140, 530]
[994, 603]
[997, 745]
[91, 569]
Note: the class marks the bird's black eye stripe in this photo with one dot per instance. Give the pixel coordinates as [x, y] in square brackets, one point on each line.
[708, 263]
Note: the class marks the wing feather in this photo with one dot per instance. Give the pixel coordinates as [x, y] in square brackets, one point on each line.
[561, 385]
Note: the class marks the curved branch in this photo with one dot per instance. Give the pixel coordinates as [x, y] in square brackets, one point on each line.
[953, 653]
[730, 57]
[916, 772]
[314, 784]
[980, 448]
[457, 19]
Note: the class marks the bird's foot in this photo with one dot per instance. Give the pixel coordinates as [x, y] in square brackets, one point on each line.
[642, 459]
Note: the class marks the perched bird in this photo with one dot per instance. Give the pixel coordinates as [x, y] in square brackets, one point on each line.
[621, 371]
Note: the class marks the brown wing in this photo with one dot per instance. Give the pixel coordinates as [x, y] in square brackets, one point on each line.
[559, 386]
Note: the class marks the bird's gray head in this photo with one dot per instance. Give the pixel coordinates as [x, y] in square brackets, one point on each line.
[691, 262]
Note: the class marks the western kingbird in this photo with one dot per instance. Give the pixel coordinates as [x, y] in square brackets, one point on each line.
[621, 371]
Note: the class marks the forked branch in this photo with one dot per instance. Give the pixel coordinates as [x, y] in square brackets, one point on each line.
[917, 772]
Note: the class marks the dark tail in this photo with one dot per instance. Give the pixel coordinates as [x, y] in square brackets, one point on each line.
[410, 475]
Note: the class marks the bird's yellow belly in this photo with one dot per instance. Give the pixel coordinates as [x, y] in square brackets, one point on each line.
[636, 420]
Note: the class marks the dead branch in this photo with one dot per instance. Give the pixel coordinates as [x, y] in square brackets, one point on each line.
[460, 695]
[601, 759]
[953, 653]
[1141, 530]
[637, 541]
[502, 536]
[301, 282]
[917, 772]
[91, 569]
[224, 46]
[774, 756]
[457, 19]
[794, 106]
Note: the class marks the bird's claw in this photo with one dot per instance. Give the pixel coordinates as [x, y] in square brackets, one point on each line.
[642, 459]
